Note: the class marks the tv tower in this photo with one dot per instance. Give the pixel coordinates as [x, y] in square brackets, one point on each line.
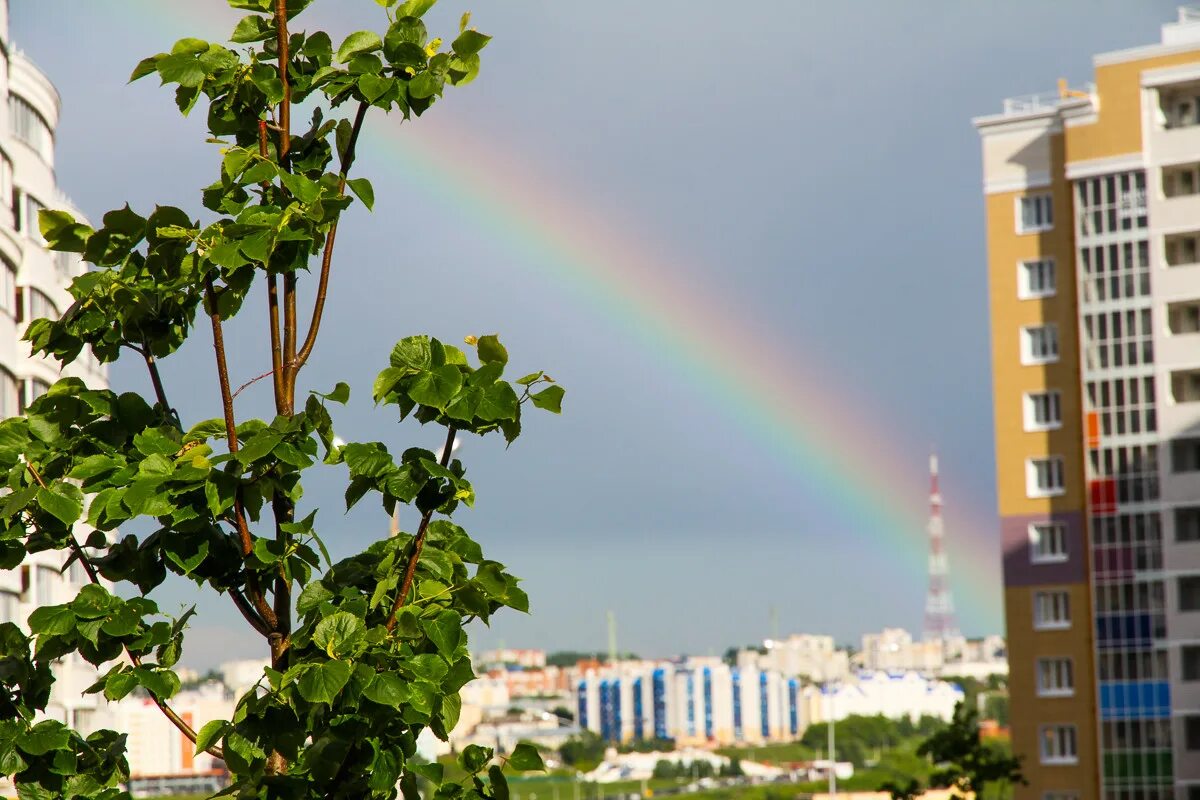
[939, 605]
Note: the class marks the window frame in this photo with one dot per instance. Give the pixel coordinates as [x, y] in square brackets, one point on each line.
[1069, 672]
[1186, 676]
[1036, 199]
[1028, 357]
[1032, 490]
[1195, 581]
[1024, 285]
[1040, 624]
[1059, 729]
[1036, 557]
[1029, 409]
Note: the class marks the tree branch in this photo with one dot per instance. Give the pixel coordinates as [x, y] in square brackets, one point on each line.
[247, 542]
[419, 542]
[135, 659]
[327, 256]
[272, 300]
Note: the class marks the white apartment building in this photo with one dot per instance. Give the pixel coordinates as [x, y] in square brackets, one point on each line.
[693, 701]
[33, 284]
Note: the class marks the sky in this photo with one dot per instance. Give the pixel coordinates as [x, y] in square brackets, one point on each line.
[748, 239]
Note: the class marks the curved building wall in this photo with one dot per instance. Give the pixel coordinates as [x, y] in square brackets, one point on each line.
[33, 283]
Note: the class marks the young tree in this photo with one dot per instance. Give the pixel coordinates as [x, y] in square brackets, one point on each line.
[365, 653]
[964, 761]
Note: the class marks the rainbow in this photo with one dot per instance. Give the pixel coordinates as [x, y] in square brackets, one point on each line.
[821, 436]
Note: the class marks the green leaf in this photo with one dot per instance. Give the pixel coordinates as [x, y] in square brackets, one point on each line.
[210, 734]
[340, 393]
[63, 501]
[428, 667]
[499, 401]
[470, 42]
[444, 630]
[499, 783]
[363, 191]
[525, 757]
[44, 737]
[119, 684]
[52, 620]
[414, 8]
[387, 688]
[474, 758]
[413, 354]
[436, 387]
[424, 85]
[358, 43]
[491, 351]
[323, 683]
[181, 68]
[549, 398]
[334, 633]
[92, 602]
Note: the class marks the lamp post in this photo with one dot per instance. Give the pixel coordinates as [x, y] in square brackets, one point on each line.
[831, 726]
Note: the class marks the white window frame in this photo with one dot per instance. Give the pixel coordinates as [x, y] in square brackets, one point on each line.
[1061, 738]
[1060, 621]
[1036, 199]
[1030, 402]
[1037, 536]
[1032, 489]
[1028, 357]
[1025, 290]
[1057, 667]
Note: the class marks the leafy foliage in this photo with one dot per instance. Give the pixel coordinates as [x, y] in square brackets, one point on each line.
[964, 761]
[366, 653]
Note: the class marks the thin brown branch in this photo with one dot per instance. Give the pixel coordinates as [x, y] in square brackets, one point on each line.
[285, 105]
[247, 610]
[135, 659]
[419, 542]
[289, 342]
[327, 256]
[272, 298]
[253, 381]
[247, 541]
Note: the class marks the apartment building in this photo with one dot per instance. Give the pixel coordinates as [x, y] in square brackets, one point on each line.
[33, 283]
[1092, 199]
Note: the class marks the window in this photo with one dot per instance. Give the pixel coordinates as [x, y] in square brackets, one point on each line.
[32, 389]
[30, 127]
[1180, 181]
[8, 287]
[1051, 610]
[33, 228]
[1191, 732]
[1058, 744]
[8, 606]
[44, 588]
[10, 395]
[1185, 386]
[1043, 411]
[1190, 656]
[1187, 524]
[1036, 278]
[1055, 677]
[1044, 476]
[1034, 214]
[1039, 344]
[1060, 796]
[1181, 249]
[1189, 592]
[1047, 542]
[1185, 455]
[40, 305]
[77, 574]
[1183, 317]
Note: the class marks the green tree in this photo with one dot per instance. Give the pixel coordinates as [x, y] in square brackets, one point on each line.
[902, 789]
[366, 653]
[964, 762]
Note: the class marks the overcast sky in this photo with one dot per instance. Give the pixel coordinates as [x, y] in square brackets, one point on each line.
[811, 164]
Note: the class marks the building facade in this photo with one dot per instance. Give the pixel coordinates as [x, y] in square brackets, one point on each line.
[33, 284]
[1093, 222]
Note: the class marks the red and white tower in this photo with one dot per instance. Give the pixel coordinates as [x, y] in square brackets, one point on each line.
[939, 605]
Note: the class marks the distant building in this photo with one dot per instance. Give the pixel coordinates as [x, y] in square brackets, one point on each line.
[529, 659]
[895, 649]
[810, 656]
[693, 701]
[890, 694]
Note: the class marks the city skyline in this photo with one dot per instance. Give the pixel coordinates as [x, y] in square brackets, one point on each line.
[614, 531]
